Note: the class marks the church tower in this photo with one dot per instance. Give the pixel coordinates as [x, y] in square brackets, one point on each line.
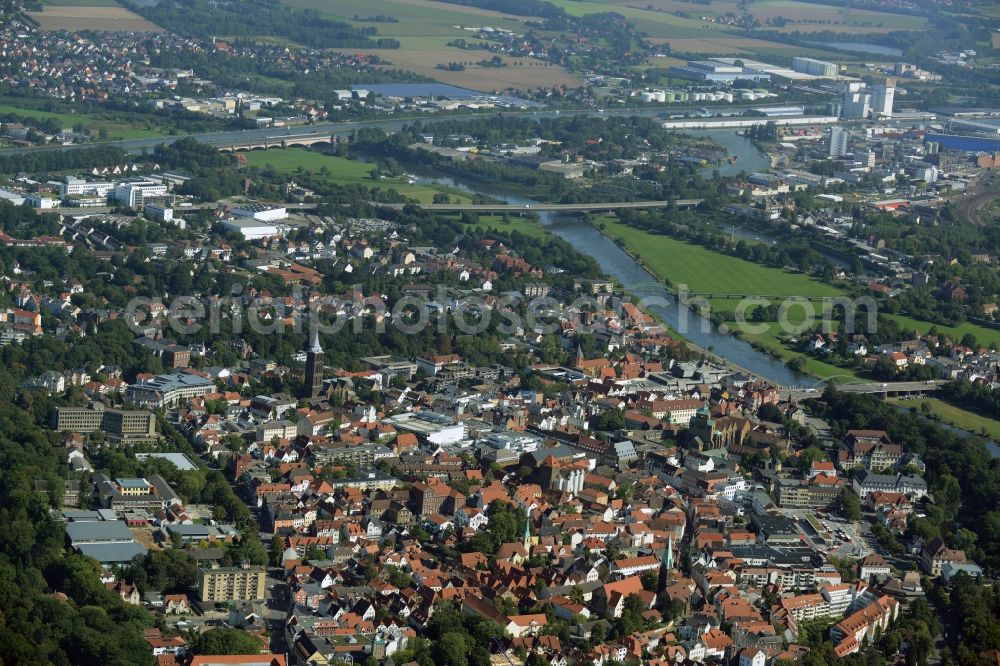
[527, 532]
[666, 567]
[313, 383]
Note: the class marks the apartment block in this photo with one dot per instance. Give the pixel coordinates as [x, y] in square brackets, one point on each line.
[232, 584]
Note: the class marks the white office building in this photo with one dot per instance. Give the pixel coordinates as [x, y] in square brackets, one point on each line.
[883, 94]
[134, 192]
[76, 186]
[159, 213]
[42, 200]
[857, 101]
[839, 140]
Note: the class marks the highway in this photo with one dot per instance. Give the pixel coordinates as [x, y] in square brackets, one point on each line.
[557, 208]
[887, 388]
[345, 128]
[77, 211]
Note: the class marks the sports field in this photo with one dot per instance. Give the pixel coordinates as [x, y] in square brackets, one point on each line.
[343, 171]
[99, 16]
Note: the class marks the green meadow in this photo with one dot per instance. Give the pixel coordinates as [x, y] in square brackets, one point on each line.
[344, 171]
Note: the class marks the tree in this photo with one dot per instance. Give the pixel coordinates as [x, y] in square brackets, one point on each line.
[451, 650]
[850, 505]
[226, 640]
[276, 551]
[608, 420]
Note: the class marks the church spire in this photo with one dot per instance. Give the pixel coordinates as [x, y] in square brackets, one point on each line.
[527, 531]
[314, 341]
[666, 566]
[313, 384]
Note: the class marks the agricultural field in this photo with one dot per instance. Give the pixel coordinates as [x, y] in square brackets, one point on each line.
[801, 16]
[344, 171]
[422, 55]
[424, 29]
[654, 24]
[91, 16]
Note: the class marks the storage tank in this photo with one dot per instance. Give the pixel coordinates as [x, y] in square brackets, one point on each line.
[728, 97]
[646, 96]
[669, 97]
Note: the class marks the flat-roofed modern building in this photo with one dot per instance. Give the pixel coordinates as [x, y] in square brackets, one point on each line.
[168, 390]
[118, 424]
[109, 542]
[232, 584]
[429, 426]
[827, 70]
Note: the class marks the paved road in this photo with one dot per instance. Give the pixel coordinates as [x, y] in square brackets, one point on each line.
[104, 210]
[563, 208]
[345, 128]
[872, 387]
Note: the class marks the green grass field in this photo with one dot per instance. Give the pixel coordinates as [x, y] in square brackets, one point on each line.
[524, 225]
[114, 129]
[417, 18]
[343, 171]
[957, 416]
[987, 337]
[81, 3]
[655, 24]
[705, 271]
[801, 16]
